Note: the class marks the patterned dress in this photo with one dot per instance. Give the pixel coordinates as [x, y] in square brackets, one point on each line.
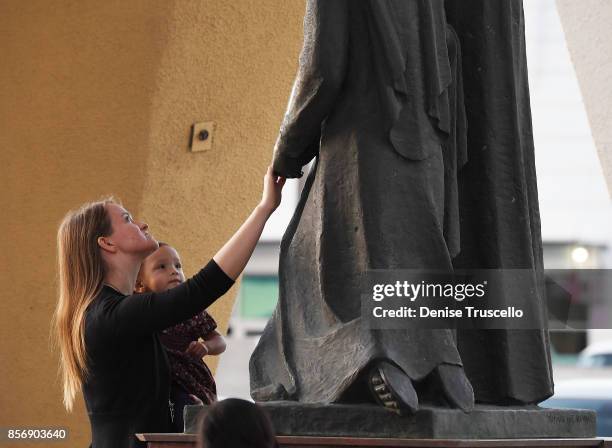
[191, 374]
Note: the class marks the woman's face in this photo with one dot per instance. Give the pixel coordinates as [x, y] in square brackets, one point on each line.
[129, 236]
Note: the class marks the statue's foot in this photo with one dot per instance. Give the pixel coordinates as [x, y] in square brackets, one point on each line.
[456, 387]
[446, 385]
[393, 389]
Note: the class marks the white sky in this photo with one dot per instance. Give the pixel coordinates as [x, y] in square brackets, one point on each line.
[574, 201]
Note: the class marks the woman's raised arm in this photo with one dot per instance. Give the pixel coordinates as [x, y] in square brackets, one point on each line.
[235, 254]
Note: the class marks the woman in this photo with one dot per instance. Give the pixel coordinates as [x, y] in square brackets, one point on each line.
[108, 336]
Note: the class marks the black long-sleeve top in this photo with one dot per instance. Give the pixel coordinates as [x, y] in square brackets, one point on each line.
[128, 387]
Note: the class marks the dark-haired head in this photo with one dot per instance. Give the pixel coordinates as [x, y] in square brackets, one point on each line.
[236, 423]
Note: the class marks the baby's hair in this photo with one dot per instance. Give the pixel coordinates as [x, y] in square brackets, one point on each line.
[236, 423]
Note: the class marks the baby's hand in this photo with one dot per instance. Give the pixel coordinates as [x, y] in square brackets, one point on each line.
[197, 349]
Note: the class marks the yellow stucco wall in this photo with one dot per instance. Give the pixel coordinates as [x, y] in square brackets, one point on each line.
[98, 98]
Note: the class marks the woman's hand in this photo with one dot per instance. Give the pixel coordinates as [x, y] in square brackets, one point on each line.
[197, 349]
[272, 188]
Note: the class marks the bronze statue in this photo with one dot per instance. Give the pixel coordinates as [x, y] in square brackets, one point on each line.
[417, 112]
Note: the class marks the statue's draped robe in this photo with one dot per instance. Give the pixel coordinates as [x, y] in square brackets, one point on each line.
[500, 217]
[400, 181]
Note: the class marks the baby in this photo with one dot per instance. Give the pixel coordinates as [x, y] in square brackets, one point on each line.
[192, 381]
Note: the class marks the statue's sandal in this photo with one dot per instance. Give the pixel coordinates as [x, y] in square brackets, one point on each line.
[393, 389]
[456, 386]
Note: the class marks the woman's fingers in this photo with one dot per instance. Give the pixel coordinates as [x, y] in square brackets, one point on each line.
[272, 189]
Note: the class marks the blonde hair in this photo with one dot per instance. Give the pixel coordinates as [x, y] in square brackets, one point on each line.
[81, 274]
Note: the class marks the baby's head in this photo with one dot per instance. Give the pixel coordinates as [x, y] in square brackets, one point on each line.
[236, 423]
[160, 271]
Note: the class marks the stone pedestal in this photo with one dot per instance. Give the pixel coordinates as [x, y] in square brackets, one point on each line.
[189, 441]
[370, 421]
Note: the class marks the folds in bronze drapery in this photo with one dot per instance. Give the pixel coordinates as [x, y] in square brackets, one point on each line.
[422, 90]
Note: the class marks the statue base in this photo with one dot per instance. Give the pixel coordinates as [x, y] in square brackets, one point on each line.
[371, 421]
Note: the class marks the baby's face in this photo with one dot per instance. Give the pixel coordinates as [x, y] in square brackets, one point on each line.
[162, 270]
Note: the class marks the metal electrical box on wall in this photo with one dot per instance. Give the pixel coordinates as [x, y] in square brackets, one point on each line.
[202, 135]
